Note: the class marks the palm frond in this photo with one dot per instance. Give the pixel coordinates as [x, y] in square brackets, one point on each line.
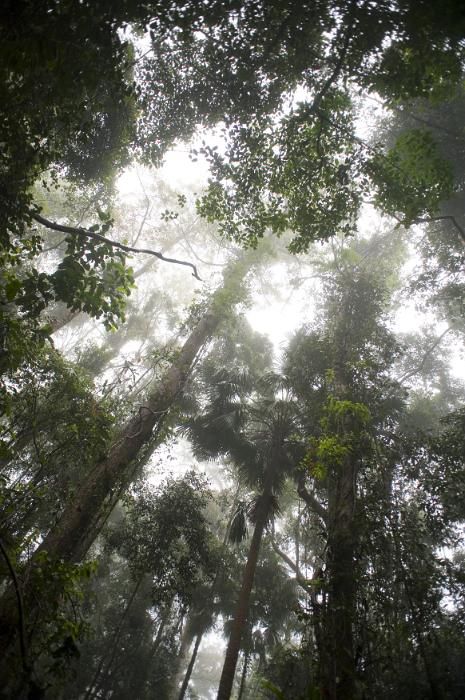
[238, 529]
[255, 503]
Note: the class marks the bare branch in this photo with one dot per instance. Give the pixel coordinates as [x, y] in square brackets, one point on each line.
[431, 220]
[428, 352]
[98, 237]
[311, 501]
[293, 566]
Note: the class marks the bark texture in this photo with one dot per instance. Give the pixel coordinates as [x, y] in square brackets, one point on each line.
[70, 539]
[341, 579]
[178, 666]
[243, 676]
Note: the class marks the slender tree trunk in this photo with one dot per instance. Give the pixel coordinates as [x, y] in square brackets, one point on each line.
[180, 663]
[190, 667]
[191, 664]
[243, 675]
[113, 648]
[240, 615]
[160, 630]
[436, 690]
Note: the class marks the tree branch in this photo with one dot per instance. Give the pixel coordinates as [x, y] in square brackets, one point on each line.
[405, 112]
[445, 217]
[339, 63]
[311, 501]
[98, 237]
[292, 565]
[419, 367]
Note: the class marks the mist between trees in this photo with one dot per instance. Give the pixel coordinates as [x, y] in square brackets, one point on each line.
[232, 240]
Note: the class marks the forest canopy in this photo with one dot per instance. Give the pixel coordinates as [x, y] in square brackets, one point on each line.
[232, 243]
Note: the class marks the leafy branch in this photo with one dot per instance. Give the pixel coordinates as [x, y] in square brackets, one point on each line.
[339, 63]
[87, 233]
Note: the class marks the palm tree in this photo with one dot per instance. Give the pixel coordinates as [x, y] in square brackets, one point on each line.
[251, 420]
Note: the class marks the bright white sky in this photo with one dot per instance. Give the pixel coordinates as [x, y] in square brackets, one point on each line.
[279, 315]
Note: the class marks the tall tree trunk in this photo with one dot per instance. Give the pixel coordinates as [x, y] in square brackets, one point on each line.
[161, 628]
[80, 521]
[70, 539]
[341, 580]
[78, 525]
[206, 610]
[190, 668]
[340, 659]
[240, 615]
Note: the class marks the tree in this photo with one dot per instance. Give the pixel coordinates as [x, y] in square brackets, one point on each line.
[55, 433]
[169, 551]
[235, 63]
[269, 616]
[251, 422]
[280, 80]
[442, 234]
[340, 373]
[83, 516]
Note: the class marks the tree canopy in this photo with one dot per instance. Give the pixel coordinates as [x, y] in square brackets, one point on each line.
[181, 480]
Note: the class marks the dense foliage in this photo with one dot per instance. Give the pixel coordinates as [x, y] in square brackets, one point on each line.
[326, 545]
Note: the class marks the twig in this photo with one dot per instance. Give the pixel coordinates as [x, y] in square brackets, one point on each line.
[98, 237]
[147, 209]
